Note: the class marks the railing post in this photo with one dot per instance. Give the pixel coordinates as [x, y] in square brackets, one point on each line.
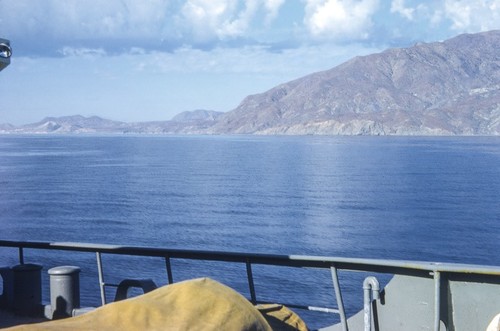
[21, 255]
[168, 265]
[101, 278]
[250, 282]
[338, 296]
[437, 300]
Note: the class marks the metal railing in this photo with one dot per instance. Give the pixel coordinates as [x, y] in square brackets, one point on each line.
[334, 264]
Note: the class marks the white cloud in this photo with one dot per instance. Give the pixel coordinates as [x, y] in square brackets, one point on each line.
[82, 52]
[340, 19]
[204, 18]
[272, 8]
[468, 16]
[70, 27]
[84, 19]
[167, 22]
[224, 19]
[398, 6]
[249, 60]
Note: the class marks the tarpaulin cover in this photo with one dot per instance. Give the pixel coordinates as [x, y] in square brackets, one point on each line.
[199, 304]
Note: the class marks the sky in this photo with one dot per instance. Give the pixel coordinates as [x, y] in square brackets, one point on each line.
[147, 60]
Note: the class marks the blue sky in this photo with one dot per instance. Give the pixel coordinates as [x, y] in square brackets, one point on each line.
[143, 60]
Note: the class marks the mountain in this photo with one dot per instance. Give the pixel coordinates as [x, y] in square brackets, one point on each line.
[184, 123]
[197, 115]
[6, 127]
[71, 124]
[188, 122]
[442, 88]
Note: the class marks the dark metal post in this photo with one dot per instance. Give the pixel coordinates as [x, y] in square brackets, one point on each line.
[21, 255]
[250, 282]
[169, 270]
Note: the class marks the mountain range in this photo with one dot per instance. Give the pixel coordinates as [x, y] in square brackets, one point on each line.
[441, 88]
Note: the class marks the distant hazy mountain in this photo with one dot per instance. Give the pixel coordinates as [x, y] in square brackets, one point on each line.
[197, 115]
[450, 87]
[184, 123]
[442, 88]
[6, 127]
[68, 124]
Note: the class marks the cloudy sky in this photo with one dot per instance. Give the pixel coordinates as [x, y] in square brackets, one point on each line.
[141, 60]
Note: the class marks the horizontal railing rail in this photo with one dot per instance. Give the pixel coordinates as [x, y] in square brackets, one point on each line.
[411, 268]
[353, 264]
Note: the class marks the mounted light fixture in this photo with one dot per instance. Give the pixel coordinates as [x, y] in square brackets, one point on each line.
[5, 53]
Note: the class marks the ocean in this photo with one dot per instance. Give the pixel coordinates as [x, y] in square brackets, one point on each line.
[409, 198]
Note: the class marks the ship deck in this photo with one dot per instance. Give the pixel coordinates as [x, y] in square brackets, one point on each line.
[437, 295]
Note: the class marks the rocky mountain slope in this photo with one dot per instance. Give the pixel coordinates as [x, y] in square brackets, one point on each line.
[450, 87]
[442, 88]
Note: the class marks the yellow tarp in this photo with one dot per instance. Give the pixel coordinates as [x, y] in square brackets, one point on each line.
[199, 304]
[281, 318]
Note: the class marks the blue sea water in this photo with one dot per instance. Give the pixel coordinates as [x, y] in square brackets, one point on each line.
[411, 198]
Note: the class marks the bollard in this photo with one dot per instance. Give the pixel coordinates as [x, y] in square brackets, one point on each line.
[64, 290]
[27, 289]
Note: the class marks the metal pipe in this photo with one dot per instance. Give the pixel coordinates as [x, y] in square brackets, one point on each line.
[303, 307]
[371, 291]
[338, 297]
